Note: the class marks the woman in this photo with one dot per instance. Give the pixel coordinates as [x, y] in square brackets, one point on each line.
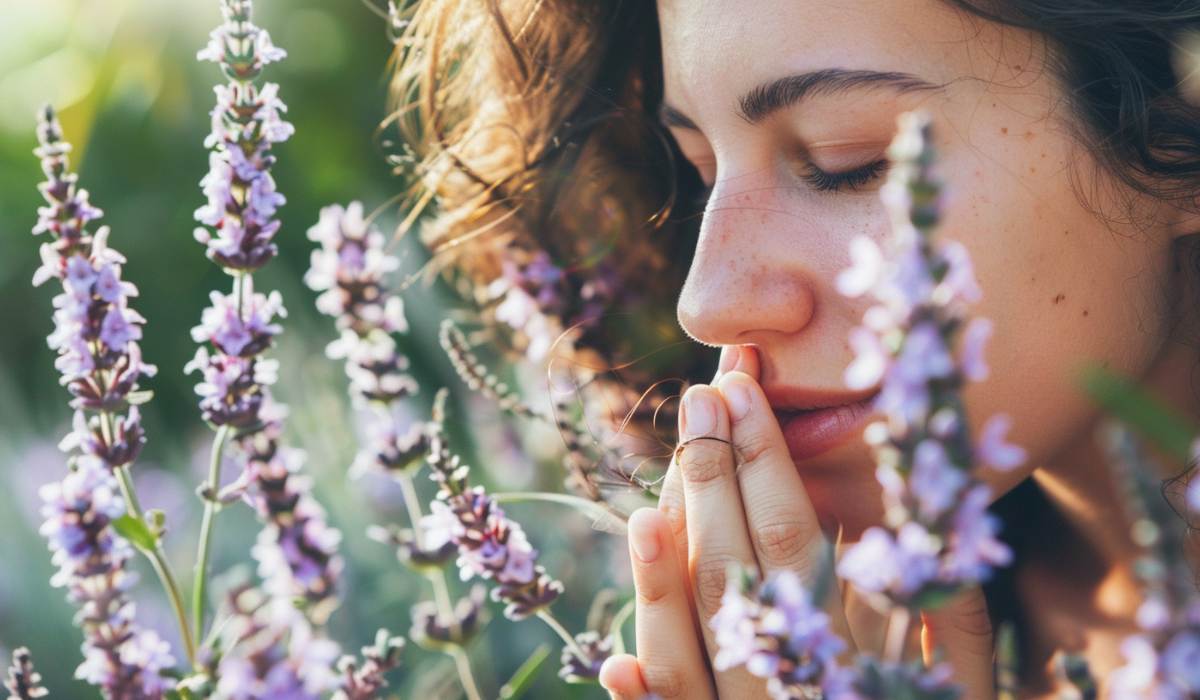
[1072, 159]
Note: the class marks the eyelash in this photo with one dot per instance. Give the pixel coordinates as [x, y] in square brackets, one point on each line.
[822, 181]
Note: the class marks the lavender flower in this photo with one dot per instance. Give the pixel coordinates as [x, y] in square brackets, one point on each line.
[96, 334]
[365, 681]
[531, 301]
[779, 634]
[349, 270]
[246, 123]
[877, 680]
[124, 661]
[1162, 661]
[24, 682]
[490, 545]
[581, 663]
[96, 331]
[297, 550]
[433, 629]
[938, 534]
[273, 652]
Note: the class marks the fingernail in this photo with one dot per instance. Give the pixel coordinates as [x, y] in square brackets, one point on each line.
[699, 414]
[737, 396]
[642, 536]
[729, 358]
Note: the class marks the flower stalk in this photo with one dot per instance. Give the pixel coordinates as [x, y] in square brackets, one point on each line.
[95, 336]
[296, 549]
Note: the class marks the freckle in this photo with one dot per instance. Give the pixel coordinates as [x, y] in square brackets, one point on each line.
[1029, 135]
[1085, 312]
[1059, 297]
[1004, 130]
[1033, 279]
[1066, 231]
[1032, 170]
[1017, 67]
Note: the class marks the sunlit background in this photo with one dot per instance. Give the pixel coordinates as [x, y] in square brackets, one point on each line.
[134, 102]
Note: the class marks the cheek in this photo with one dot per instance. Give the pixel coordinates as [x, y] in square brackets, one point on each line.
[1063, 292]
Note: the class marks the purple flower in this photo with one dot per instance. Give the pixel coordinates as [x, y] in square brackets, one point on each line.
[490, 545]
[274, 653]
[246, 122]
[993, 450]
[939, 535]
[120, 658]
[24, 682]
[95, 336]
[243, 329]
[296, 549]
[778, 633]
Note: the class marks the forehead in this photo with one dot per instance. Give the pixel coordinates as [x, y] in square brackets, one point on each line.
[715, 49]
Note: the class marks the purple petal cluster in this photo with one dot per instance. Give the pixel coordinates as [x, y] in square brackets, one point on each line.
[296, 550]
[876, 680]
[120, 658]
[1162, 660]
[246, 123]
[582, 663]
[23, 681]
[273, 652]
[917, 346]
[531, 298]
[349, 271]
[96, 332]
[778, 634]
[365, 680]
[432, 629]
[490, 545]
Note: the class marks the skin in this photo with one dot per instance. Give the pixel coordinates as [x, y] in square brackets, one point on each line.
[1065, 283]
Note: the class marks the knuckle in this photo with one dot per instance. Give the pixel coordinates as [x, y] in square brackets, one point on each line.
[970, 617]
[651, 595]
[709, 579]
[782, 542]
[702, 464]
[664, 680]
[753, 449]
[676, 518]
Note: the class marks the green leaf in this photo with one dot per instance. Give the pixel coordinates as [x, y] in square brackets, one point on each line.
[136, 531]
[137, 398]
[1137, 408]
[523, 678]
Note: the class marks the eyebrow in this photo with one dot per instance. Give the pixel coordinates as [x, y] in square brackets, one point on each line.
[770, 97]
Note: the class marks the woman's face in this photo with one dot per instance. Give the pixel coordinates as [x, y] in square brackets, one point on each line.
[785, 107]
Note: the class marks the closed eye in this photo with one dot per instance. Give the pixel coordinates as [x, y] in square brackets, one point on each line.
[849, 180]
[819, 180]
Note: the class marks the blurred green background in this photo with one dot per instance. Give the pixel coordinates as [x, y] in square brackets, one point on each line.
[135, 103]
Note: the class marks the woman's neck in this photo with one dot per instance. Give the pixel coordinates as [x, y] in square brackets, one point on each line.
[1077, 588]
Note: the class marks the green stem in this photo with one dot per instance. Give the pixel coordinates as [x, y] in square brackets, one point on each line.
[548, 617]
[211, 506]
[463, 664]
[599, 511]
[618, 621]
[441, 589]
[158, 560]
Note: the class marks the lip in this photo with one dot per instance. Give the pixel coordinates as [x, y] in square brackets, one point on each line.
[814, 423]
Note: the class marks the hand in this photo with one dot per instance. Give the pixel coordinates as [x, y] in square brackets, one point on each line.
[749, 507]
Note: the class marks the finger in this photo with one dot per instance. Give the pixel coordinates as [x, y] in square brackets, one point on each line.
[961, 633]
[783, 526]
[670, 658]
[737, 358]
[622, 678]
[716, 532]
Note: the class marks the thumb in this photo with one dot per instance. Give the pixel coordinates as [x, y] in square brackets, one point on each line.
[960, 633]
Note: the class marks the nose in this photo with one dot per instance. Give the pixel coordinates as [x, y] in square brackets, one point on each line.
[748, 282]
